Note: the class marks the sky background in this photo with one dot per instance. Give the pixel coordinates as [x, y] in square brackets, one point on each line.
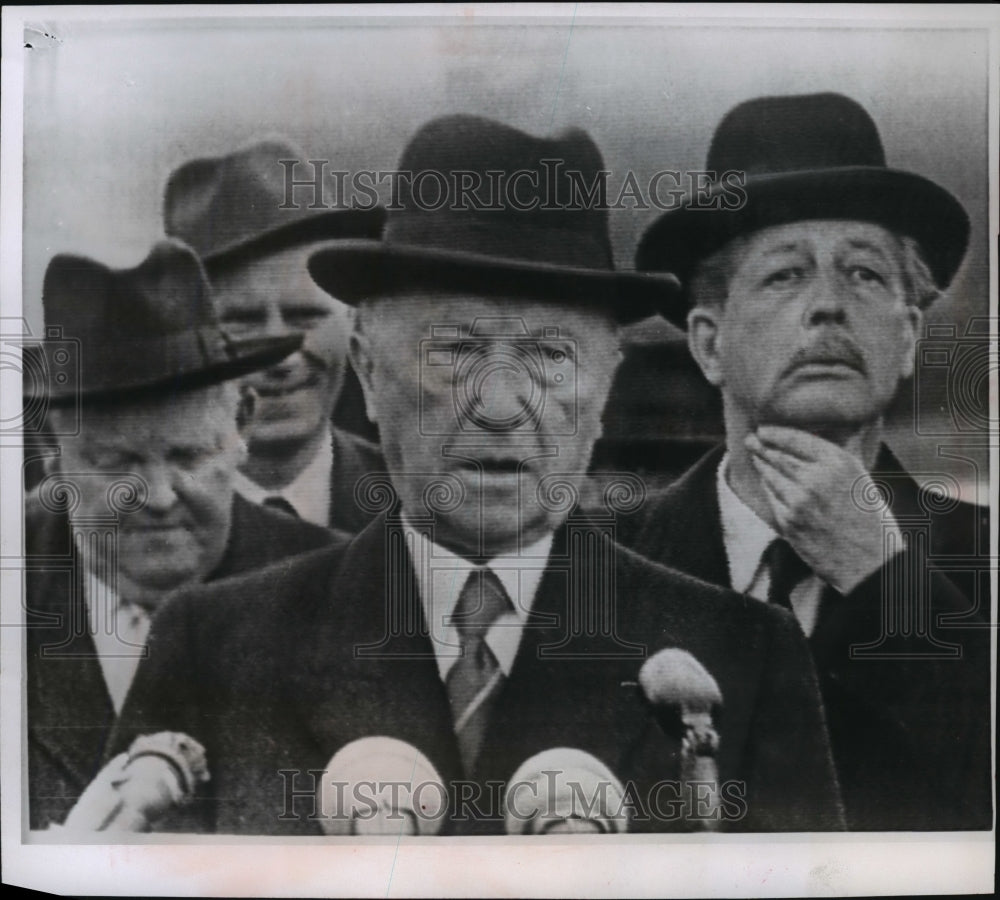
[112, 107]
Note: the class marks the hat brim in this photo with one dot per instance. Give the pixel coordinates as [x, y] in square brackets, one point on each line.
[185, 373]
[334, 224]
[353, 271]
[903, 202]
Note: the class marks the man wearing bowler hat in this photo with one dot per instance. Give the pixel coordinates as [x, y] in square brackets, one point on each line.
[483, 618]
[254, 231]
[804, 308]
[141, 502]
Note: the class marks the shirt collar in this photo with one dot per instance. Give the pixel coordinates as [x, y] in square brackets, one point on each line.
[441, 575]
[118, 630]
[309, 492]
[744, 533]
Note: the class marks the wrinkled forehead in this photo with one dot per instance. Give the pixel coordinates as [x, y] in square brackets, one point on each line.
[429, 313]
[822, 236]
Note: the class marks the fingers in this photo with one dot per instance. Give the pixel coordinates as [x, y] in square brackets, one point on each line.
[780, 459]
[801, 444]
[782, 491]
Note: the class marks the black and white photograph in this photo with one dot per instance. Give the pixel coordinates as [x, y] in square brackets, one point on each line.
[499, 450]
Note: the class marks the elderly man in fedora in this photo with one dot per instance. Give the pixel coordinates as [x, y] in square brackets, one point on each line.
[254, 237]
[805, 305]
[149, 473]
[483, 618]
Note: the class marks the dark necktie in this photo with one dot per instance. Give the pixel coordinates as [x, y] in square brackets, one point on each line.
[786, 569]
[474, 681]
[280, 503]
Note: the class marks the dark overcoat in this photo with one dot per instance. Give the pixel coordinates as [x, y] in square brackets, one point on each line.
[70, 712]
[909, 719]
[277, 670]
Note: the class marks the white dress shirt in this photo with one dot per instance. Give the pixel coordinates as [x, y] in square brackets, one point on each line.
[309, 493]
[746, 536]
[119, 631]
[441, 575]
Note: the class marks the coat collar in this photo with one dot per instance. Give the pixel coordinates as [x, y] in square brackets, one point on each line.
[684, 526]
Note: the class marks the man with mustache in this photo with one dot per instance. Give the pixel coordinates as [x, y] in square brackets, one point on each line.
[254, 231]
[484, 618]
[805, 308]
[149, 473]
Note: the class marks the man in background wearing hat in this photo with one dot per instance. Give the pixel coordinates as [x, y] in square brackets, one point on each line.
[484, 618]
[151, 472]
[254, 238]
[805, 308]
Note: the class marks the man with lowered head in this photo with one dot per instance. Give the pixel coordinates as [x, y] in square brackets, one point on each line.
[483, 619]
[140, 502]
[805, 308]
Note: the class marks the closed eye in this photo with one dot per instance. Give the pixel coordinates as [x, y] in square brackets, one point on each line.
[110, 459]
[188, 457]
[304, 316]
[243, 317]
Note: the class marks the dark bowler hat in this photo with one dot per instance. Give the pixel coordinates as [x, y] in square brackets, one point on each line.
[522, 230]
[234, 207]
[810, 156]
[148, 329]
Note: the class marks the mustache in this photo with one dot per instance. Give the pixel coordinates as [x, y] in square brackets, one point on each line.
[831, 348]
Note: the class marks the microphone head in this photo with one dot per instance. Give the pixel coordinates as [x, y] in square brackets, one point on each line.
[381, 785]
[674, 678]
[565, 790]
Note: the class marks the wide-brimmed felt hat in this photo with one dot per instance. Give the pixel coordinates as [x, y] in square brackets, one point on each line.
[149, 329]
[486, 208]
[808, 156]
[240, 206]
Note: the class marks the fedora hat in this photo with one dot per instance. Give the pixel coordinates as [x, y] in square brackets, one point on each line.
[807, 156]
[234, 207]
[143, 330]
[519, 231]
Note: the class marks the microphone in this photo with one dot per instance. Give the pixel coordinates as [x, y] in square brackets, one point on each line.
[158, 773]
[381, 785]
[565, 791]
[685, 696]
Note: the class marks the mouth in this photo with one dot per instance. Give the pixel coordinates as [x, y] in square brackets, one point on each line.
[826, 362]
[501, 466]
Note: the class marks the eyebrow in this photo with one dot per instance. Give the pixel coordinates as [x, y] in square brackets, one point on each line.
[858, 244]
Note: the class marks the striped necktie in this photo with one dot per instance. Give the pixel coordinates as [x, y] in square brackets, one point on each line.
[476, 678]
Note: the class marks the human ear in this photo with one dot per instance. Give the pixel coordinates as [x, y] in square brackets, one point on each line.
[703, 341]
[360, 352]
[912, 326]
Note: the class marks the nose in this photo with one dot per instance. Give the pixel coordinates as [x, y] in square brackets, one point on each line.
[161, 491]
[276, 327]
[275, 324]
[503, 396]
[515, 395]
[826, 300]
